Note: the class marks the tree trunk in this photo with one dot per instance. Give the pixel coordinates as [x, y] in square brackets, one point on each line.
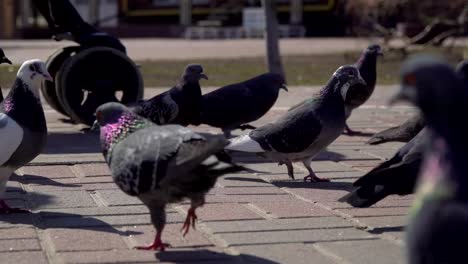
[271, 36]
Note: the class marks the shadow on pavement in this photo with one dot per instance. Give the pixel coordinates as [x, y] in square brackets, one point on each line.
[72, 142]
[299, 183]
[40, 180]
[246, 157]
[208, 256]
[381, 230]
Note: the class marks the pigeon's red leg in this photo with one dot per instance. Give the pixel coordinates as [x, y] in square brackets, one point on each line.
[189, 221]
[290, 168]
[157, 243]
[312, 176]
[5, 209]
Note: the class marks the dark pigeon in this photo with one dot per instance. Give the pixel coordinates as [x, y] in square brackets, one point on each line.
[410, 128]
[438, 226]
[397, 175]
[23, 126]
[160, 164]
[358, 94]
[3, 59]
[306, 129]
[179, 105]
[235, 105]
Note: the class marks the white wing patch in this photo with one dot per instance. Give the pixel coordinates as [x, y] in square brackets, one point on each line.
[11, 135]
[245, 144]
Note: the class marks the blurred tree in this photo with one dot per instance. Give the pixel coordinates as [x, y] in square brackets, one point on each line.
[271, 36]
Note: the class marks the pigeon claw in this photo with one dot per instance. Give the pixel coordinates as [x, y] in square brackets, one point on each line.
[314, 178]
[157, 244]
[5, 209]
[189, 221]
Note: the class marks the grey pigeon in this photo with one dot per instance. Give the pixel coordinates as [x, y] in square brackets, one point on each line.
[306, 129]
[3, 59]
[235, 105]
[159, 164]
[23, 126]
[410, 128]
[438, 226]
[397, 175]
[358, 94]
[179, 105]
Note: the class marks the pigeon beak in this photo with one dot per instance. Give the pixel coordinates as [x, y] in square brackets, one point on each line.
[95, 126]
[406, 94]
[284, 87]
[6, 60]
[203, 76]
[47, 76]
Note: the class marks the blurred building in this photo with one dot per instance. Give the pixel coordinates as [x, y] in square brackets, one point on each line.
[181, 18]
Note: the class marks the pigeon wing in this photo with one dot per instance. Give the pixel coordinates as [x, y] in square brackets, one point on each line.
[11, 134]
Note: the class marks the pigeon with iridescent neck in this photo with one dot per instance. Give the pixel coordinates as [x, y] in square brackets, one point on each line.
[179, 105]
[3, 59]
[438, 226]
[160, 164]
[358, 94]
[23, 129]
[306, 129]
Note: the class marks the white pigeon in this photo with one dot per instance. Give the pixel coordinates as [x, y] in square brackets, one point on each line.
[23, 129]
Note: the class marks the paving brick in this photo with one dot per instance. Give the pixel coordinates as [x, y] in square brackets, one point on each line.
[99, 238]
[171, 235]
[384, 221]
[292, 208]
[55, 171]
[293, 236]
[36, 257]
[246, 198]
[365, 251]
[117, 197]
[17, 232]
[277, 224]
[242, 180]
[318, 192]
[376, 211]
[223, 212]
[19, 244]
[283, 253]
[205, 255]
[95, 169]
[60, 199]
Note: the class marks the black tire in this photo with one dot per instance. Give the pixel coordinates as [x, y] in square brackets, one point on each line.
[92, 77]
[54, 62]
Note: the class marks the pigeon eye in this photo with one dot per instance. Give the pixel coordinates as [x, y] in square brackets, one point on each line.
[31, 67]
[351, 74]
[410, 79]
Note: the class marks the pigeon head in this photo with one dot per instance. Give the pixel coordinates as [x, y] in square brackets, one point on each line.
[193, 73]
[277, 80]
[116, 122]
[345, 77]
[374, 49]
[3, 58]
[432, 85]
[34, 71]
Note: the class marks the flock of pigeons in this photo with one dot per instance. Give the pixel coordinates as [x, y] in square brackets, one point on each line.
[154, 156]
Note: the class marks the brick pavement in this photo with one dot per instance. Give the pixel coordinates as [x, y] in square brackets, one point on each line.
[79, 215]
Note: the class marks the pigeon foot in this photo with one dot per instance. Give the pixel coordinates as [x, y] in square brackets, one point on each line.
[314, 178]
[5, 209]
[157, 244]
[189, 221]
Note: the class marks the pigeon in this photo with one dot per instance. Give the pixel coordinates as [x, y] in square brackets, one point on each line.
[306, 129]
[437, 231]
[179, 105]
[159, 164]
[397, 175]
[410, 128]
[23, 126]
[358, 94]
[402, 133]
[3, 59]
[235, 105]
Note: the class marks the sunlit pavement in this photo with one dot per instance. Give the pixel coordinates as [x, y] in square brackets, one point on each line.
[78, 215]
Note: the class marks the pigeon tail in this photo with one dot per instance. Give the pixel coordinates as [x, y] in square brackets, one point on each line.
[365, 197]
[244, 144]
